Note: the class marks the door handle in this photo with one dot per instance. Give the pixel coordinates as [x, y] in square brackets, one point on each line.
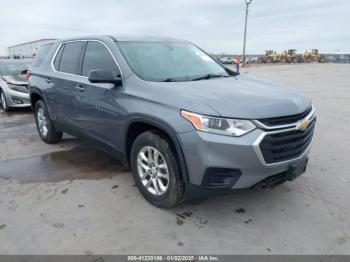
[81, 88]
[48, 80]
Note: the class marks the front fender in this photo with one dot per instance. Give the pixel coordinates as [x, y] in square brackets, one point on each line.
[167, 129]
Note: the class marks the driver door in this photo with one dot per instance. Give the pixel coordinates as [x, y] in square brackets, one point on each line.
[99, 111]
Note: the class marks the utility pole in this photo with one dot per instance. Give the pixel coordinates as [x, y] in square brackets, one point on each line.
[247, 3]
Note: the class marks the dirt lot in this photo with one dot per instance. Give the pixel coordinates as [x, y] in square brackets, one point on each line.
[73, 199]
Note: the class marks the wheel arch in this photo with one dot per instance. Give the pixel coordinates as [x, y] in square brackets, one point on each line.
[139, 124]
[35, 96]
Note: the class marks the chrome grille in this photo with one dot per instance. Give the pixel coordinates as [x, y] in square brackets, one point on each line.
[283, 146]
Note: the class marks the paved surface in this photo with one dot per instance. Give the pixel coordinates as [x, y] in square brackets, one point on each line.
[73, 199]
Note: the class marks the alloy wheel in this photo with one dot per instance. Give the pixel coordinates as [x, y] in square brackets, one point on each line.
[42, 122]
[153, 170]
[3, 100]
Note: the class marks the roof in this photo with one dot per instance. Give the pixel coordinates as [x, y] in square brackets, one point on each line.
[122, 38]
[146, 38]
[40, 40]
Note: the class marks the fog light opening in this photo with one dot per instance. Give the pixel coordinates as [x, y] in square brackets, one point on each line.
[16, 101]
[221, 177]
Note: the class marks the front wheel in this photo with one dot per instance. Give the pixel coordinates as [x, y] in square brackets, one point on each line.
[156, 170]
[3, 101]
[46, 130]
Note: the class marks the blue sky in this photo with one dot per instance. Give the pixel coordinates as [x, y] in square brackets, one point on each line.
[215, 25]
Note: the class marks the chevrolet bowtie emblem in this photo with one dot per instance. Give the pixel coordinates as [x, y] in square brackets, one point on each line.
[304, 124]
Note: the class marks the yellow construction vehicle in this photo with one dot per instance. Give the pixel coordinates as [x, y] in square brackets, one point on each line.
[269, 57]
[289, 56]
[313, 56]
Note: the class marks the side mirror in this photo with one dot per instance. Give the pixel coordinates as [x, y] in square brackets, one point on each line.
[105, 77]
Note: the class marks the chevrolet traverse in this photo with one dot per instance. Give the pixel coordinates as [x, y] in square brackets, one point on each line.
[184, 124]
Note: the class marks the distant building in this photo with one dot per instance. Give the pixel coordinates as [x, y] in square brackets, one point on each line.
[27, 50]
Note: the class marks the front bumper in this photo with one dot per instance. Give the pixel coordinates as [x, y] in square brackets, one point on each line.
[205, 150]
[17, 99]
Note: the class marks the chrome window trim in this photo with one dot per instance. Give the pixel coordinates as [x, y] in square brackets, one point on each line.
[83, 40]
[309, 117]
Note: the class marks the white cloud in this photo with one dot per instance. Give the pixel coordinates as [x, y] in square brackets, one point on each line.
[217, 26]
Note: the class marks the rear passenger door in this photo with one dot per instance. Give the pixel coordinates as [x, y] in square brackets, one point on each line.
[67, 63]
[100, 113]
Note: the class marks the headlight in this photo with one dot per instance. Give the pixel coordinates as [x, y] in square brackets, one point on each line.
[222, 126]
[18, 88]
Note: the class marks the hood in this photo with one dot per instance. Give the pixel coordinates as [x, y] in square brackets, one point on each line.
[16, 80]
[239, 97]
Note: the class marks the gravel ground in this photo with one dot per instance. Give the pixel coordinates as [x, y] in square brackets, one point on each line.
[71, 198]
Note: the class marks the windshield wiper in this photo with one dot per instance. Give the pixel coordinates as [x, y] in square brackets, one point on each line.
[168, 80]
[208, 76]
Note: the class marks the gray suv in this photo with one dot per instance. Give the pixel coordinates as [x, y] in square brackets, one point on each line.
[185, 125]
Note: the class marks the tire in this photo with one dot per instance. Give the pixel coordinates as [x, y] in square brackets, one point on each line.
[170, 191]
[3, 101]
[46, 130]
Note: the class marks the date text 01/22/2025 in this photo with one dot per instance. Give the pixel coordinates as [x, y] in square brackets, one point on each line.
[173, 258]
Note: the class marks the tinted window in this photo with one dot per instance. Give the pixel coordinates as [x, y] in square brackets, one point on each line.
[43, 51]
[98, 57]
[56, 63]
[71, 58]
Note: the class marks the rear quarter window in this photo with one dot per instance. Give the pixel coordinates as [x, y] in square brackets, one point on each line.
[43, 52]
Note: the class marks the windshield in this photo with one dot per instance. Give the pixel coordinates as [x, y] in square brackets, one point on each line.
[13, 68]
[169, 61]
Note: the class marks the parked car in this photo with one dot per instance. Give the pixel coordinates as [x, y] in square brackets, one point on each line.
[253, 60]
[13, 84]
[186, 125]
[227, 60]
[222, 59]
